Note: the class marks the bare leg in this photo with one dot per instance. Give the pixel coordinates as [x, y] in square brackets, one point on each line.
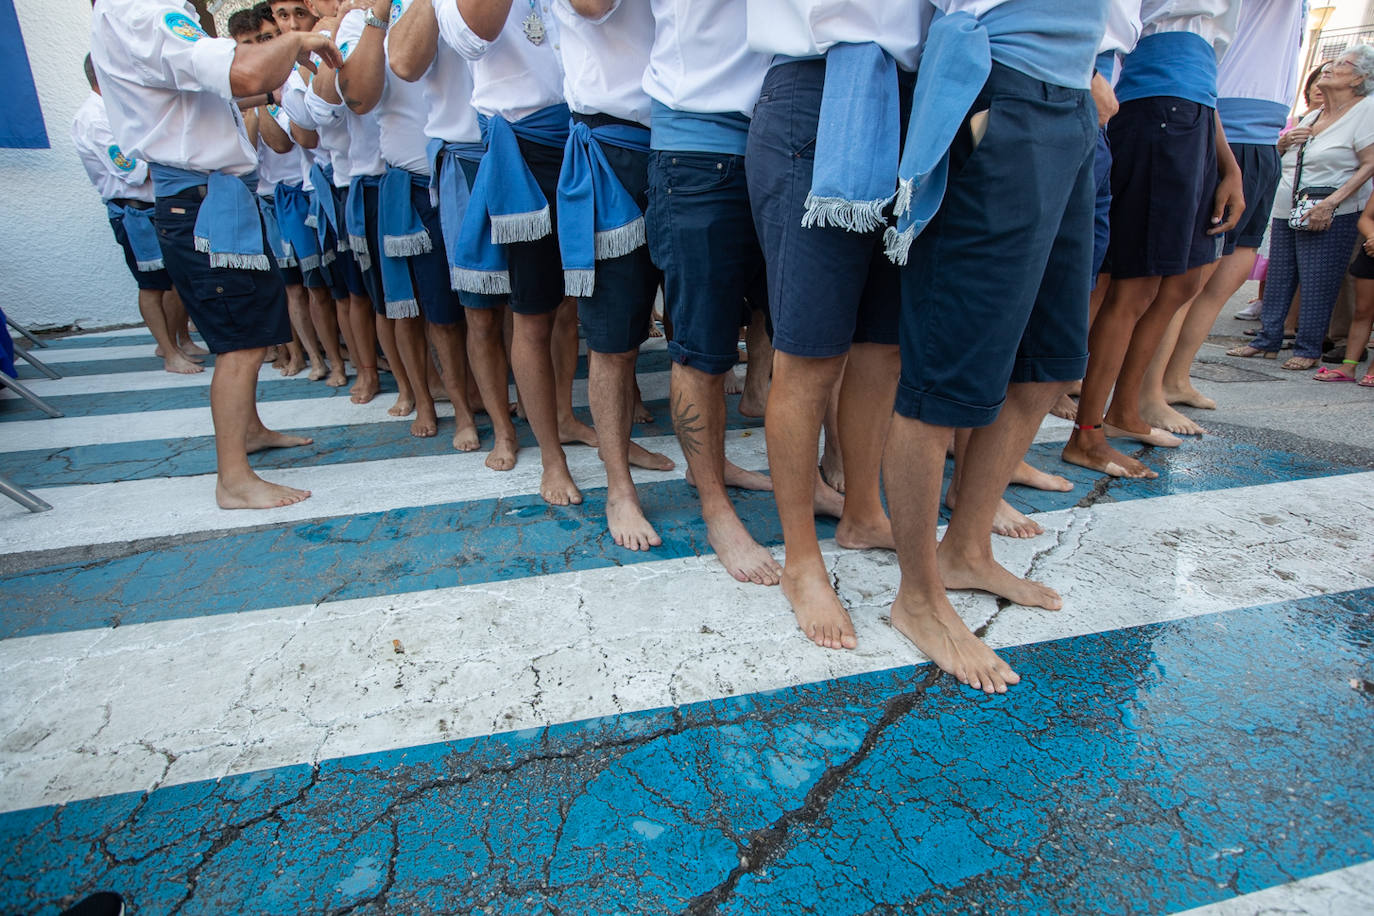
[759, 369]
[698, 404]
[534, 372]
[233, 390]
[832, 455]
[913, 468]
[1065, 407]
[451, 345]
[322, 316]
[564, 343]
[173, 360]
[413, 350]
[179, 326]
[1007, 521]
[965, 554]
[363, 348]
[487, 355]
[1231, 272]
[386, 336]
[611, 390]
[298, 306]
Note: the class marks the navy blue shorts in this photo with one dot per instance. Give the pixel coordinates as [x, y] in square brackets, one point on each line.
[1102, 203]
[371, 276]
[996, 290]
[429, 272]
[292, 276]
[146, 279]
[344, 268]
[1164, 178]
[536, 268]
[232, 309]
[828, 288]
[701, 235]
[1259, 174]
[616, 317]
[314, 278]
[474, 300]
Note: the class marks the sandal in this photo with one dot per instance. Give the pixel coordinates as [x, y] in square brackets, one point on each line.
[1299, 363]
[1327, 374]
[1246, 351]
[1367, 381]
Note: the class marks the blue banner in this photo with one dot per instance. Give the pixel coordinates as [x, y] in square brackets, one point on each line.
[21, 118]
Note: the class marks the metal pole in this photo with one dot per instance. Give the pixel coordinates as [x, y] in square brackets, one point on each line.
[22, 496]
[37, 364]
[26, 394]
[25, 331]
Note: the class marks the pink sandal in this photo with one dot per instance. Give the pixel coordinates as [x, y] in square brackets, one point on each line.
[1327, 374]
[1367, 381]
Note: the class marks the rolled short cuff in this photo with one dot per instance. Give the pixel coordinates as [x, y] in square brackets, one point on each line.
[938, 411]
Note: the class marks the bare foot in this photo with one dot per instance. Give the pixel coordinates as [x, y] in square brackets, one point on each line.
[1104, 459]
[181, 365]
[192, 353]
[853, 536]
[752, 407]
[574, 431]
[317, 372]
[743, 557]
[270, 438]
[943, 638]
[294, 366]
[465, 438]
[557, 488]
[734, 383]
[502, 456]
[1165, 417]
[1010, 523]
[337, 378]
[819, 612]
[1066, 408]
[1028, 475]
[641, 457]
[365, 386]
[736, 476]
[425, 425]
[628, 526]
[987, 575]
[641, 413]
[832, 469]
[402, 407]
[825, 501]
[1154, 436]
[257, 493]
[1191, 397]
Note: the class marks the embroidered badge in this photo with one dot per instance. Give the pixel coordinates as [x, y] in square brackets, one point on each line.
[274, 110]
[122, 162]
[183, 26]
[345, 48]
[397, 8]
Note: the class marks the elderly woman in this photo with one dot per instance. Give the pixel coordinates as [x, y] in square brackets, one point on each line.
[1335, 147]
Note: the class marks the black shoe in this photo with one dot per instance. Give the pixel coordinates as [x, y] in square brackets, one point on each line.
[1336, 356]
[105, 903]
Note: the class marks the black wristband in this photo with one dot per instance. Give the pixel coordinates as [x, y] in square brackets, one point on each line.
[271, 99]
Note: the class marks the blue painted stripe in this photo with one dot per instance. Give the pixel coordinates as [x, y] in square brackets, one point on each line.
[1143, 770]
[85, 368]
[418, 548]
[84, 341]
[284, 389]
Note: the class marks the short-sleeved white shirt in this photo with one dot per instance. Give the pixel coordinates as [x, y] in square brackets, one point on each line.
[114, 173]
[701, 60]
[447, 90]
[166, 86]
[511, 75]
[1330, 159]
[275, 167]
[400, 113]
[604, 60]
[806, 28]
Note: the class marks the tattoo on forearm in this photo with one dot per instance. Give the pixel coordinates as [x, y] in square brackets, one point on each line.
[688, 426]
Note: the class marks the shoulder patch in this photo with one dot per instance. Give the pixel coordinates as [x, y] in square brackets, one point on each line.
[183, 26]
[397, 8]
[274, 110]
[345, 49]
[122, 162]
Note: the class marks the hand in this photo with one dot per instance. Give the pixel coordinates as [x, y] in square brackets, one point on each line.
[1296, 137]
[349, 6]
[1319, 217]
[1368, 245]
[314, 43]
[1227, 204]
[1104, 98]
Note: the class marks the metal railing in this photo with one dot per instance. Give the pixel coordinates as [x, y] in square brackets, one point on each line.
[1332, 43]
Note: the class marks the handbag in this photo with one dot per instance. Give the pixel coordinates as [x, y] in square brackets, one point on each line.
[1304, 199]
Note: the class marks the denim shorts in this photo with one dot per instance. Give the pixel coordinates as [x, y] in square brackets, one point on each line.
[233, 309]
[1102, 202]
[1164, 177]
[996, 290]
[828, 288]
[616, 317]
[1259, 175]
[146, 279]
[701, 235]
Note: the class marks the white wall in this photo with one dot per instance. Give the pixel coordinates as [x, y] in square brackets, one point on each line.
[59, 263]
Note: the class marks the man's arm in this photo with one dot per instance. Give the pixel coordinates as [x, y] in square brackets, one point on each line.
[362, 77]
[413, 41]
[250, 125]
[307, 139]
[272, 134]
[592, 9]
[486, 18]
[259, 69]
[1229, 201]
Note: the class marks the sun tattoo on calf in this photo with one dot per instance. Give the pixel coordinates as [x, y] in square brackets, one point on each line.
[688, 425]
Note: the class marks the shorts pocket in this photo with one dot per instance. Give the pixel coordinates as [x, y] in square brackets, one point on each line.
[225, 285]
[697, 174]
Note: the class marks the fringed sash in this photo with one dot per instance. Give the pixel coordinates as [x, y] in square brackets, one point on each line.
[293, 213]
[403, 235]
[597, 218]
[229, 225]
[142, 235]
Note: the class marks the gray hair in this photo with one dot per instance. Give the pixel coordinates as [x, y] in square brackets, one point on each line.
[1362, 57]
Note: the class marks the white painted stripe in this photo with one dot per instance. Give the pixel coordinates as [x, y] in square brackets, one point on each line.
[153, 380]
[267, 688]
[120, 511]
[57, 355]
[136, 331]
[1344, 892]
[68, 432]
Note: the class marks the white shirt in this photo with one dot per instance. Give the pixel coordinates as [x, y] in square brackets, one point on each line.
[1213, 20]
[293, 103]
[1330, 159]
[1263, 61]
[807, 28]
[113, 173]
[447, 90]
[604, 60]
[701, 59]
[166, 86]
[511, 76]
[275, 167]
[1123, 27]
[400, 113]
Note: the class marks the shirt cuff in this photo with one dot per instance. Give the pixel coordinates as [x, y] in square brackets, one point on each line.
[323, 112]
[454, 30]
[211, 60]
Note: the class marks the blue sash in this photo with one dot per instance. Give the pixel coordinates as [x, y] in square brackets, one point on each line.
[448, 190]
[322, 214]
[280, 250]
[142, 235]
[506, 204]
[293, 213]
[229, 226]
[355, 217]
[403, 235]
[597, 217]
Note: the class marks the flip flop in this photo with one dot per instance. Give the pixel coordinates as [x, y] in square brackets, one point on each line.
[1327, 374]
[1367, 381]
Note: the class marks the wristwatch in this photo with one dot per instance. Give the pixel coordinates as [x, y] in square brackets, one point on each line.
[369, 18]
